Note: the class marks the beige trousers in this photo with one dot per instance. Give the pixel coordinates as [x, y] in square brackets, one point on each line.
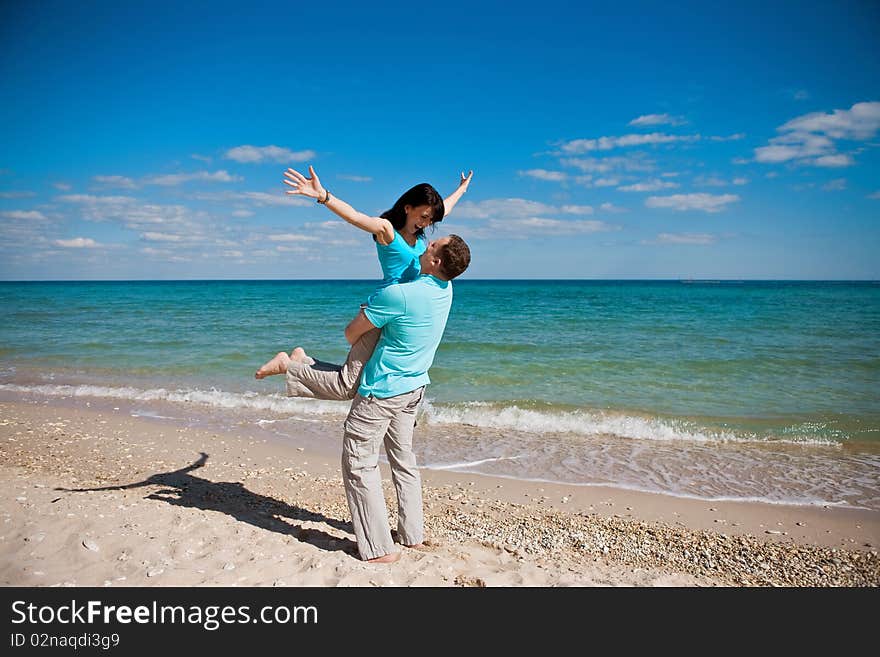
[321, 380]
[371, 422]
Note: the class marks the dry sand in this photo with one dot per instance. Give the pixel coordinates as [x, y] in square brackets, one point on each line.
[100, 498]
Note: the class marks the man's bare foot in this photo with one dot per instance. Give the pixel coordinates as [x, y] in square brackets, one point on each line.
[277, 365]
[386, 558]
[424, 546]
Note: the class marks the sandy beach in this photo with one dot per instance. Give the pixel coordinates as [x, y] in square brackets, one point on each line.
[96, 497]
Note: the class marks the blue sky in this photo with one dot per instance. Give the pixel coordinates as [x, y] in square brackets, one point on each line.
[611, 140]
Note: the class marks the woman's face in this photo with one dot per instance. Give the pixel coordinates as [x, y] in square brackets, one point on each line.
[419, 216]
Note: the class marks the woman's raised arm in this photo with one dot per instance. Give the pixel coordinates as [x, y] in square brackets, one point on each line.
[450, 201]
[312, 188]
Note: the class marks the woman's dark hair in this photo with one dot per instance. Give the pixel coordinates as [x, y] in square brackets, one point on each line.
[421, 194]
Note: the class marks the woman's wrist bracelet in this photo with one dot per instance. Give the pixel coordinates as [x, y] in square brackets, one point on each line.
[326, 197]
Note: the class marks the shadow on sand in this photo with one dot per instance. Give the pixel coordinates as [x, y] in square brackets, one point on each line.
[181, 488]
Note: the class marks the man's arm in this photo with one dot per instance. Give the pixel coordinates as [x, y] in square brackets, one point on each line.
[357, 327]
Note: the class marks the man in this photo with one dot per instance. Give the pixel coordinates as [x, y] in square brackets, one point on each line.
[412, 317]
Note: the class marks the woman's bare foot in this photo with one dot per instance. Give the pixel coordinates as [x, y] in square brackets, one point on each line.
[298, 354]
[386, 558]
[277, 365]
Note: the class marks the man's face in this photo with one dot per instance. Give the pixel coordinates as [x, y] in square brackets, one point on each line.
[431, 254]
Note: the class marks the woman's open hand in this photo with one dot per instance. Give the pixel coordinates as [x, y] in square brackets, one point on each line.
[303, 186]
[466, 180]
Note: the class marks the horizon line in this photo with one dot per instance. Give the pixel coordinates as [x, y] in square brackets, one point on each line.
[367, 280]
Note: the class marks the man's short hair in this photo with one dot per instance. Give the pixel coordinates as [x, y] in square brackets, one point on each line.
[455, 256]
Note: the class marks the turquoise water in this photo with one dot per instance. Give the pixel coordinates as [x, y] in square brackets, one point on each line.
[648, 365]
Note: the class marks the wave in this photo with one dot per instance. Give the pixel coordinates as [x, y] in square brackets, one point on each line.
[591, 423]
[484, 415]
[212, 398]
[467, 464]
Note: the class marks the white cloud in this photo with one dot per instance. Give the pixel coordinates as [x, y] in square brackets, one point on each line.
[577, 209]
[201, 158]
[544, 174]
[772, 174]
[22, 230]
[649, 186]
[325, 225]
[715, 181]
[242, 213]
[364, 179]
[810, 139]
[734, 137]
[578, 146]
[259, 199]
[252, 154]
[838, 160]
[90, 199]
[263, 198]
[517, 218]
[291, 249]
[180, 178]
[291, 237]
[835, 185]
[232, 254]
[509, 208]
[78, 243]
[161, 237]
[683, 238]
[169, 256]
[711, 181]
[531, 226]
[24, 215]
[606, 182]
[610, 207]
[122, 182]
[608, 164]
[657, 119]
[875, 195]
[22, 194]
[703, 202]
[140, 217]
[62, 186]
[859, 122]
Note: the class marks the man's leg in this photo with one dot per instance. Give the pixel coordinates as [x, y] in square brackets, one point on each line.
[309, 378]
[405, 472]
[365, 427]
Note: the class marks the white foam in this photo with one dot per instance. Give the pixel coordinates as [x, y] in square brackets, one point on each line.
[785, 501]
[591, 423]
[214, 398]
[477, 414]
[467, 464]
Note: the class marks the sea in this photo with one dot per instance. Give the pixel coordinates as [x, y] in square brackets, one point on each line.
[763, 391]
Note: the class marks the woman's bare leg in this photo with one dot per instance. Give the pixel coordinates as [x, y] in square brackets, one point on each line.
[279, 364]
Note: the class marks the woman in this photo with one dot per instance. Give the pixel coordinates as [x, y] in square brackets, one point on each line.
[399, 234]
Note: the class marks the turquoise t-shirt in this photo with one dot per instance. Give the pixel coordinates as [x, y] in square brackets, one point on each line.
[412, 317]
[399, 261]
